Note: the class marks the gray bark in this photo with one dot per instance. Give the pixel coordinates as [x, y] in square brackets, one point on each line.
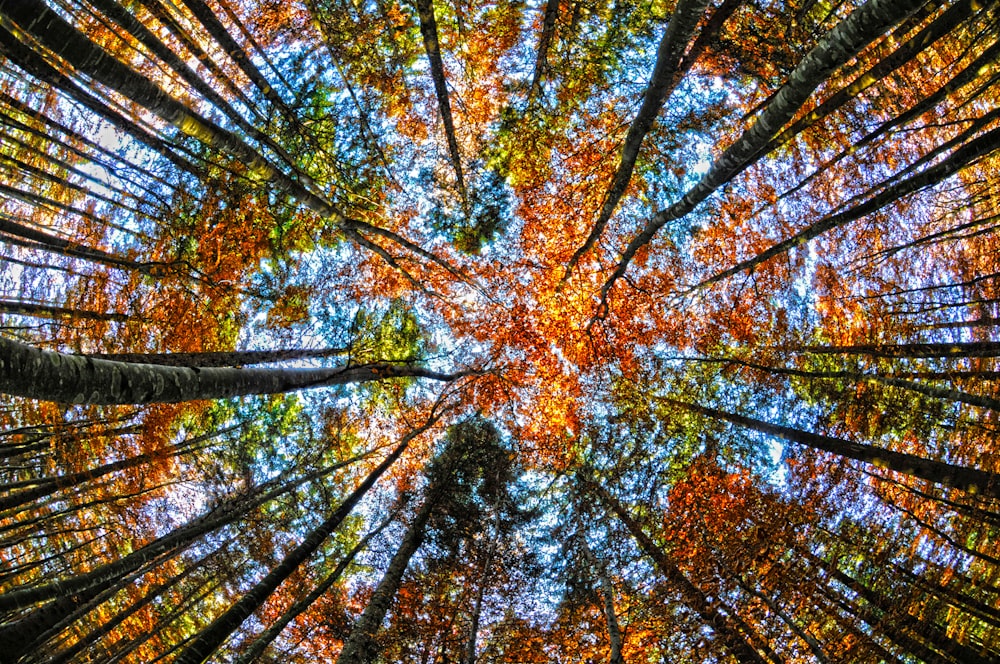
[206, 643]
[971, 480]
[608, 599]
[428, 30]
[725, 626]
[51, 376]
[360, 647]
[665, 76]
[838, 46]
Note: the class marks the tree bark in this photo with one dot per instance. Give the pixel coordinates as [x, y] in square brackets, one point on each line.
[59, 313]
[542, 52]
[838, 46]
[202, 647]
[360, 647]
[260, 644]
[891, 192]
[51, 376]
[967, 479]
[428, 30]
[54, 33]
[608, 600]
[691, 596]
[179, 538]
[666, 74]
[236, 358]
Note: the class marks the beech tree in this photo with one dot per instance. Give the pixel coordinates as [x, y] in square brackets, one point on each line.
[494, 331]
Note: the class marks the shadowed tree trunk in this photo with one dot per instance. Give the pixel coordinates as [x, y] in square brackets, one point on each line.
[607, 599]
[542, 53]
[267, 637]
[666, 74]
[202, 647]
[691, 596]
[428, 30]
[967, 479]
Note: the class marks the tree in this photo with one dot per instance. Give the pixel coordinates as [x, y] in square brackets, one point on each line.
[494, 331]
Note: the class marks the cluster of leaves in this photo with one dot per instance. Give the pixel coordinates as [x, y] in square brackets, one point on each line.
[617, 331]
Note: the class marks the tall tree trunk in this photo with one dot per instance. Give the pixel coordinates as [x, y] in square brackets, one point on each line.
[210, 638]
[542, 52]
[608, 601]
[54, 33]
[960, 349]
[967, 479]
[691, 596]
[267, 637]
[428, 30]
[941, 26]
[236, 358]
[59, 313]
[63, 247]
[359, 646]
[32, 63]
[51, 376]
[477, 604]
[31, 490]
[665, 77]
[838, 46]
[72, 588]
[920, 635]
[891, 192]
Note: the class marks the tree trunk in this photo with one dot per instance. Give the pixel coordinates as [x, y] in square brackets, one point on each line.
[51, 376]
[236, 358]
[59, 313]
[960, 349]
[608, 600]
[691, 596]
[202, 647]
[967, 479]
[260, 644]
[428, 30]
[542, 52]
[359, 646]
[176, 540]
[838, 46]
[666, 74]
[891, 192]
[54, 33]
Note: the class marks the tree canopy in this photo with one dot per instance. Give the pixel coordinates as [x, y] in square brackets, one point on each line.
[506, 331]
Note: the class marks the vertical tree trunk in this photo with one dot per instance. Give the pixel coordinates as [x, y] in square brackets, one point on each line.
[542, 52]
[360, 647]
[608, 600]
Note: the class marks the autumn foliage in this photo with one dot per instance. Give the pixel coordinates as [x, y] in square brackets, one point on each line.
[562, 331]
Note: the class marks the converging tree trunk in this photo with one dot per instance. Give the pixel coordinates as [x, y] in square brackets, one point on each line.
[202, 647]
[50, 376]
[967, 479]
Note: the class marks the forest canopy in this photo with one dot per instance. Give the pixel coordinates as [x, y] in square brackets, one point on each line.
[503, 331]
